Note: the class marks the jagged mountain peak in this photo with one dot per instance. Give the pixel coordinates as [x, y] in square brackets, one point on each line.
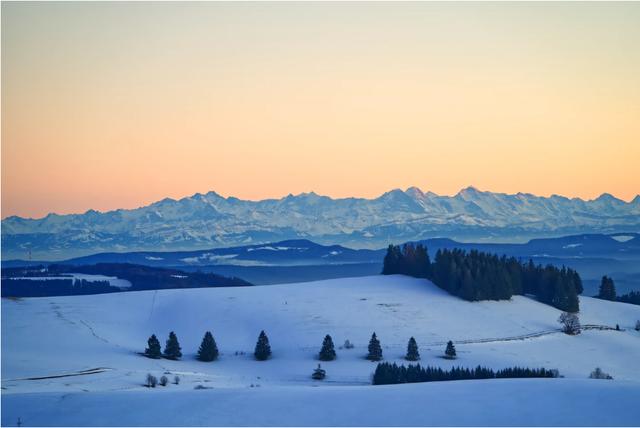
[210, 220]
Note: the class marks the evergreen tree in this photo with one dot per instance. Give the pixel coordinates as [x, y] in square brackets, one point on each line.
[327, 352]
[375, 350]
[208, 350]
[632, 297]
[412, 351]
[172, 348]
[392, 261]
[450, 352]
[607, 289]
[153, 347]
[263, 349]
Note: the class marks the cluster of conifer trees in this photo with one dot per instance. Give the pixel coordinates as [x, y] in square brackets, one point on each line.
[607, 291]
[25, 287]
[208, 350]
[476, 275]
[632, 297]
[387, 374]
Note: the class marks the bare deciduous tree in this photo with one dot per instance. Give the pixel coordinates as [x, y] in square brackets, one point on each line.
[570, 323]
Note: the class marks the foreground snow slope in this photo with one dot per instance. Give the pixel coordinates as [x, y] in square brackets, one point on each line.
[500, 402]
[64, 336]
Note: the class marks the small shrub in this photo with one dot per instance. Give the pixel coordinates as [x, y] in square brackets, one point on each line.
[319, 373]
[152, 381]
[176, 380]
[599, 374]
[450, 352]
[638, 325]
[349, 345]
[164, 381]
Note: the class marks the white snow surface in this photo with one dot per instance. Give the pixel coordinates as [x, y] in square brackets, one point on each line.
[92, 343]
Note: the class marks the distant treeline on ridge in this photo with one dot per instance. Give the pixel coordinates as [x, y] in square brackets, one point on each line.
[476, 275]
[389, 374]
[38, 281]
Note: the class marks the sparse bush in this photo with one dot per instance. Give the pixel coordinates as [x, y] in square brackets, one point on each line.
[319, 373]
[638, 325]
[617, 327]
[349, 345]
[570, 323]
[450, 352]
[152, 381]
[164, 381]
[599, 374]
[176, 380]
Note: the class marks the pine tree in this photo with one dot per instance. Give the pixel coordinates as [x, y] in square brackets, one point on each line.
[172, 348]
[328, 352]
[208, 350]
[263, 349]
[392, 261]
[153, 349]
[607, 289]
[450, 352]
[412, 351]
[375, 350]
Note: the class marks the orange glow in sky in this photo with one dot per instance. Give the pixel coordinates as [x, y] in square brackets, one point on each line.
[116, 105]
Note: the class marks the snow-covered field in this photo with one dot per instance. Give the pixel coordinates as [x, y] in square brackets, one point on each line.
[74, 360]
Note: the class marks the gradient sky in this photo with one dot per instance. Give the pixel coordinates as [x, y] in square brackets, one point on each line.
[115, 105]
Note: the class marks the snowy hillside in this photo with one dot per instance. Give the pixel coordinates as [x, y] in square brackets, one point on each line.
[210, 220]
[74, 360]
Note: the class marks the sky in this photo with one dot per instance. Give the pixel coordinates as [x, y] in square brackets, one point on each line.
[116, 105]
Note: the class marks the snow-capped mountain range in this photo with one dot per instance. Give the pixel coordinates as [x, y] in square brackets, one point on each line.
[210, 220]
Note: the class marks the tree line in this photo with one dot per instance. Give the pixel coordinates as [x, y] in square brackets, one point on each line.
[388, 374]
[477, 275]
[607, 291]
[141, 278]
[24, 287]
[208, 350]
